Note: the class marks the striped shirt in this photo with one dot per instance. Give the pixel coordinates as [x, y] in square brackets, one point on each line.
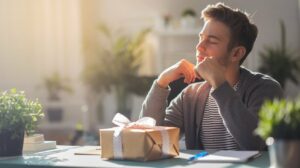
[214, 133]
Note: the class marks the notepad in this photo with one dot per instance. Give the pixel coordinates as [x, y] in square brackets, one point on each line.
[89, 150]
[39, 146]
[230, 156]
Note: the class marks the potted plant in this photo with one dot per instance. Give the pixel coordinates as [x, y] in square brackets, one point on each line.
[188, 18]
[279, 125]
[279, 62]
[18, 114]
[54, 85]
[116, 67]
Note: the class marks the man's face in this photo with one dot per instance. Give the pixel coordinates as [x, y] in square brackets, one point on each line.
[213, 42]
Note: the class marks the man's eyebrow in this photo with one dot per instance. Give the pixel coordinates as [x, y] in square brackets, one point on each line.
[211, 36]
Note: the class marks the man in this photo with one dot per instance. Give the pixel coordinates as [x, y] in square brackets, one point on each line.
[222, 111]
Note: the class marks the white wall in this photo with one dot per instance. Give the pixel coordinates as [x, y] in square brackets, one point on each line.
[134, 14]
[38, 38]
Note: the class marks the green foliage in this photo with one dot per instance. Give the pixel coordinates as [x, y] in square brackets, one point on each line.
[55, 84]
[279, 119]
[118, 64]
[279, 62]
[188, 12]
[18, 112]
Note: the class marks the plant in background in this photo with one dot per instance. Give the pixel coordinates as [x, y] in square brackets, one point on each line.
[116, 67]
[279, 119]
[18, 113]
[188, 18]
[56, 84]
[188, 12]
[279, 62]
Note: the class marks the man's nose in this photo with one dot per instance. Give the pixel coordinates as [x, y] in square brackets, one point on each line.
[201, 45]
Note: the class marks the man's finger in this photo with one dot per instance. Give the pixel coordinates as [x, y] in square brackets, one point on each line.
[187, 73]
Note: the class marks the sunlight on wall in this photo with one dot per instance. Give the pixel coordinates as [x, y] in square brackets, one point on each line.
[38, 37]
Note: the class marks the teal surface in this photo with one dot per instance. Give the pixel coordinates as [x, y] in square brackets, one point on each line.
[64, 156]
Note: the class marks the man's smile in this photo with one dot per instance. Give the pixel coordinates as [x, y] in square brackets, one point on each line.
[200, 57]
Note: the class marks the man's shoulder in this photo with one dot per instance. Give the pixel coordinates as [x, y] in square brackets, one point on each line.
[254, 79]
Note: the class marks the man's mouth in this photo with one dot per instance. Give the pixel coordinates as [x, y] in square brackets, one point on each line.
[200, 58]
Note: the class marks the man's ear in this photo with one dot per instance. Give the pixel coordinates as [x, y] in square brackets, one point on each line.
[238, 53]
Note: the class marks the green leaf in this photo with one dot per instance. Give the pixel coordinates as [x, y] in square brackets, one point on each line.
[279, 119]
[117, 64]
[18, 112]
[279, 62]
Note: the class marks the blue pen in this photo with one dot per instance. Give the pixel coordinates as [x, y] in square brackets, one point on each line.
[198, 155]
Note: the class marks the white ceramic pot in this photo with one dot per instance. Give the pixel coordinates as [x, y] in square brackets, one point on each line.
[188, 22]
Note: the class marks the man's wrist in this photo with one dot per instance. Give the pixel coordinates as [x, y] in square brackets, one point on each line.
[218, 82]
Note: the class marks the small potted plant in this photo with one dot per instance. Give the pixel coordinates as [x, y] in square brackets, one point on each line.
[188, 18]
[280, 126]
[18, 114]
[54, 85]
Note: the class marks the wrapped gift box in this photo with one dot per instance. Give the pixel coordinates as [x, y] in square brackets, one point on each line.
[140, 144]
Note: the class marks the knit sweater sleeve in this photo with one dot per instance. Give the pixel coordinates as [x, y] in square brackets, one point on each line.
[240, 116]
[155, 106]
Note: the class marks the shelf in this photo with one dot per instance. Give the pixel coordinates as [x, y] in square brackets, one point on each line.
[57, 126]
[178, 32]
[171, 45]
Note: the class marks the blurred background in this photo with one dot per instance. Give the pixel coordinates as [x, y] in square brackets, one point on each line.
[85, 60]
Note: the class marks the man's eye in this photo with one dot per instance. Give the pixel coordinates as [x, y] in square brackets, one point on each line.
[213, 42]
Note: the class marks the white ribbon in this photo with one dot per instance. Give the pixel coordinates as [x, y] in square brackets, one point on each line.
[123, 122]
[145, 122]
[165, 142]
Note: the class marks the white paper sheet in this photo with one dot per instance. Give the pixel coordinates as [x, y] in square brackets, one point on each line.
[230, 156]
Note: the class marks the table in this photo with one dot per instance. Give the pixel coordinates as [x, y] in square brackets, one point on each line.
[64, 156]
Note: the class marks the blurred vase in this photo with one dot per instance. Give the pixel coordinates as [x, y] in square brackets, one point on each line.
[55, 111]
[124, 101]
[284, 153]
[188, 22]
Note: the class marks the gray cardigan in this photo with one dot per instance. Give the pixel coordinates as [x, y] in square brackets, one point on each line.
[239, 109]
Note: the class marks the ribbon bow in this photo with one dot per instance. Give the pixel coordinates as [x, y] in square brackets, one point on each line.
[123, 122]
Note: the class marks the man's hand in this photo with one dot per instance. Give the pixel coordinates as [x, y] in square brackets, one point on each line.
[211, 71]
[182, 68]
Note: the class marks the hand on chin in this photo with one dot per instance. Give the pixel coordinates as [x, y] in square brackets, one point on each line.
[211, 70]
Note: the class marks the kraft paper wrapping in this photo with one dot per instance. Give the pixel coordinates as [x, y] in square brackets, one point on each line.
[140, 144]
